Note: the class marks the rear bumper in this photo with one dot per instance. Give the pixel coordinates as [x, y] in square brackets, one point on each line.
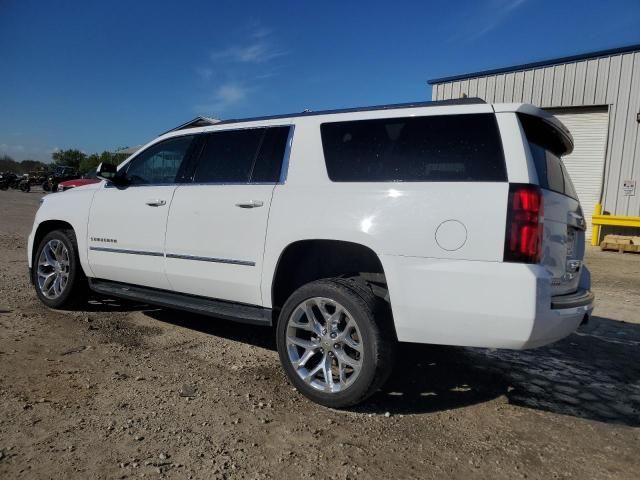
[481, 304]
[578, 299]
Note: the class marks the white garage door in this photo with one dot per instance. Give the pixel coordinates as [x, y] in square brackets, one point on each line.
[589, 128]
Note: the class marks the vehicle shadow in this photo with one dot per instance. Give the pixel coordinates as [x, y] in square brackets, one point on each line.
[98, 303]
[593, 374]
[257, 336]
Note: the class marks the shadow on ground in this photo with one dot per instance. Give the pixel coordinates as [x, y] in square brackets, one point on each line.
[592, 374]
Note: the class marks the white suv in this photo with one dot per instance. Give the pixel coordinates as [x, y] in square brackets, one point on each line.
[350, 231]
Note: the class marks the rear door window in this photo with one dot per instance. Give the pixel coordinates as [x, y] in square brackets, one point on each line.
[252, 155]
[452, 148]
[227, 156]
[268, 165]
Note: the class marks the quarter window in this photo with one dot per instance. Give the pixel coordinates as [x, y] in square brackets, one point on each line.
[546, 149]
[160, 163]
[452, 148]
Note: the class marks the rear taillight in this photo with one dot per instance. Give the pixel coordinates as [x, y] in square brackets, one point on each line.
[523, 238]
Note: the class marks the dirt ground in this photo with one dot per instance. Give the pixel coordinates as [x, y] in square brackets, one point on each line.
[120, 390]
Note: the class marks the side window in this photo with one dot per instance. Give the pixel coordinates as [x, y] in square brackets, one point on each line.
[546, 149]
[452, 148]
[228, 156]
[269, 162]
[242, 156]
[160, 163]
[549, 168]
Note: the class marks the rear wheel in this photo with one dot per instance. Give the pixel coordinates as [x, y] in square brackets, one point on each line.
[335, 342]
[57, 274]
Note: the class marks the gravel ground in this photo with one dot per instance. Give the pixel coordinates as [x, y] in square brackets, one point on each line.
[120, 390]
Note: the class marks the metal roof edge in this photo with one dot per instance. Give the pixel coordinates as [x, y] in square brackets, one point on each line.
[541, 63]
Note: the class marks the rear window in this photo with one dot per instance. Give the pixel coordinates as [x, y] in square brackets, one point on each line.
[451, 148]
[546, 150]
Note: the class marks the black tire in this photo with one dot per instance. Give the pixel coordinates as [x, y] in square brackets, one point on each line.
[25, 187]
[4, 186]
[373, 319]
[45, 186]
[76, 289]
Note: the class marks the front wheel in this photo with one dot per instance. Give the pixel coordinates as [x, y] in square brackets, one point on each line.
[336, 342]
[57, 274]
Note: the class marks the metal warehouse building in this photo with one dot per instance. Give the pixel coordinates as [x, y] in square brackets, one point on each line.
[597, 96]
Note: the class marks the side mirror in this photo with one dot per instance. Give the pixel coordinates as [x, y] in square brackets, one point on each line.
[106, 171]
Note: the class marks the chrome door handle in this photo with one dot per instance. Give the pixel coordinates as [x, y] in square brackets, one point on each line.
[156, 203]
[250, 204]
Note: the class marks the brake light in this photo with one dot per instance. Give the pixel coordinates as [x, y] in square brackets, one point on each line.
[523, 237]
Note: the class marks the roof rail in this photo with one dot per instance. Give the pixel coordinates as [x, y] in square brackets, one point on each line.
[393, 106]
[196, 122]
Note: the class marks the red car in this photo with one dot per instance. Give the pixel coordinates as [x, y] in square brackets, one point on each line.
[86, 179]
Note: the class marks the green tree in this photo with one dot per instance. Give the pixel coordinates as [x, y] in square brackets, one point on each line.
[92, 161]
[30, 165]
[8, 164]
[68, 158]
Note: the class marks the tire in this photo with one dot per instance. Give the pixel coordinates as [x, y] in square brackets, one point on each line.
[45, 186]
[25, 187]
[362, 358]
[74, 290]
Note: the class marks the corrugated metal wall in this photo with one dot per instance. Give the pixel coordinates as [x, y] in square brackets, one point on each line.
[608, 80]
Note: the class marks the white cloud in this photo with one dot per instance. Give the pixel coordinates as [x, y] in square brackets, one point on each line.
[5, 147]
[230, 94]
[204, 73]
[232, 72]
[490, 15]
[500, 10]
[225, 96]
[257, 52]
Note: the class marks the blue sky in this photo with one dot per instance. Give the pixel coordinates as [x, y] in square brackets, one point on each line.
[99, 75]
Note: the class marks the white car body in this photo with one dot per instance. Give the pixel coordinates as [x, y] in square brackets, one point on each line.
[441, 244]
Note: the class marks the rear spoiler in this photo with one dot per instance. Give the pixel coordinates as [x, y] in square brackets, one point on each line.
[552, 124]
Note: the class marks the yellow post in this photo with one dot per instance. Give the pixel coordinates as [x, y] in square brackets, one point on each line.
[595, 232]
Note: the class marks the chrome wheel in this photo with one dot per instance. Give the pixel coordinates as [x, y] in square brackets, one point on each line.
[324, 344]
[53, 269]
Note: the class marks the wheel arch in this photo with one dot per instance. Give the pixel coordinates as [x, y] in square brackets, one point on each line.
[303, 261]
[44, 228]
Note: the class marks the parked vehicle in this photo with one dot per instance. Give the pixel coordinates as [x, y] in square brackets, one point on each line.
[37, 176]
[24, 183]
[5, 180]
[9, 180]
[86, 179]
[59, 174]
[350, 231]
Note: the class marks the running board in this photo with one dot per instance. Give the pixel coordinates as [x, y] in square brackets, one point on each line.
[181, 301]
